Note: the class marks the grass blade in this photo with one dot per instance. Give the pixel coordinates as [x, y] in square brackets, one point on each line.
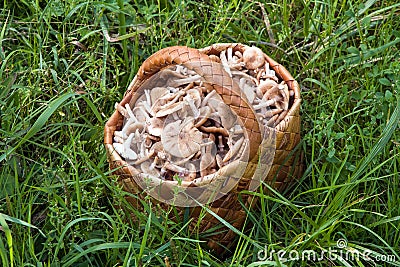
[39, 123]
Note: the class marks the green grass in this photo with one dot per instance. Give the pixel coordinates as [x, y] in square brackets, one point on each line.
[63, 65]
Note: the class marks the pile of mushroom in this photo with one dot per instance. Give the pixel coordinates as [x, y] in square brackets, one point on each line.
[180, 129]
[269, 96]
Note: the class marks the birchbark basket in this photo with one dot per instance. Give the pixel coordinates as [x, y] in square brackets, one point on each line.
[284, 167]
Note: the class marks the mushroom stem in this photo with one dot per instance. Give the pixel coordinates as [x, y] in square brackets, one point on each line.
[121, 110]
[224, 63]
[173, 101]
[207, 97]
[193, 107]
[148, 98]
[220, 144]
[144, 112]
[130, 113]
[264, 104]
[204, 119]
[220, 163]
[229, 53]
[213, 129]
[191, 79]
[175, 168]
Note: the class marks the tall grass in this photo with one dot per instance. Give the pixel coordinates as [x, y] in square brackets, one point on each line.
[63, 65]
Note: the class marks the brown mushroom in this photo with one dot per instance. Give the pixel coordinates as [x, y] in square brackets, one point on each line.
[253, 57]
[265, 86]
[279, 95]
[215, 58]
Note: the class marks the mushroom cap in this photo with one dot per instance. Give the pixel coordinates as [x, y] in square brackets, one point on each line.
[157, 147]
[169, 77]
[155, 126]
[253, 57]
[215, 118]
[181, 138]
[157, 93]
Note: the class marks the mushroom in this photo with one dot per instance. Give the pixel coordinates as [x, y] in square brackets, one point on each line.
[175, 168]
[237, 74]
[215, 58]
[181, 69]
[155, 126]
[265, 86]
[187, 80]
[137, 126]
[215, 130]
[212, 99]
[192, 171]
[156, 149]
[148, 141]
[181, 138]
[219, 161]
[121, 136]
[125, 150]
[168, 77]
[129, 118]
[279, 95]
[234, 61]
[121, 110]
[141, 113]
[253, 57]
[215, 119]
[172, 98]
[238, 54]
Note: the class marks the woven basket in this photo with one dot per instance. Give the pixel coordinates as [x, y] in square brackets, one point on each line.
[286, 164]
[283, 166]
